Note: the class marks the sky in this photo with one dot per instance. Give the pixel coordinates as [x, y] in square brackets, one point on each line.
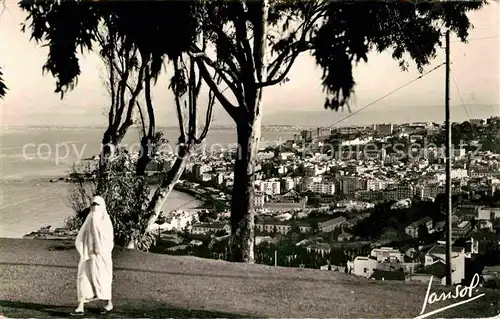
[475, 88]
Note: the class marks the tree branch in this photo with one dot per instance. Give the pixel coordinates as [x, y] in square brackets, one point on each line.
[131, 103]
[142, 118]
[180, 116]
[149, 103]
[231, 109]
[208, 120]
[192, 102]
[232, 83]
[281, 77]
[242, 38]
[295, 48]
[231, 50]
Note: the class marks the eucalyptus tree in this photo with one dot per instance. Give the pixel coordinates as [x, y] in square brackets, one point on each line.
[253, 45]
[186, 84]
[133, 63]
[126, 72]
[258, 42]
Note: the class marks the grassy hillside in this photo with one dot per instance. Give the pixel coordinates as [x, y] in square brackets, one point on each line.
[38, 280]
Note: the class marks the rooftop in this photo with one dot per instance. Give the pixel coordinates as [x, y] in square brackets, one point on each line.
[437, 269]
[209, 225]
[441, 249]
[333, 221]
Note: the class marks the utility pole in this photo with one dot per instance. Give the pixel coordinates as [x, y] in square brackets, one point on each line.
[449, 207]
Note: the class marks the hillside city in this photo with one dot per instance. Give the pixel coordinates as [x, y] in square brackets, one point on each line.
[362, 200]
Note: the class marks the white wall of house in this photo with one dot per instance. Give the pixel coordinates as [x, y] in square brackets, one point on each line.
[364, 266]
[457, 264]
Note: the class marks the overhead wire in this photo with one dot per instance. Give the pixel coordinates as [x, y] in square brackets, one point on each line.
[408, 83]
[462, 100]
[460, 95]
[477, 39]
[388, 94]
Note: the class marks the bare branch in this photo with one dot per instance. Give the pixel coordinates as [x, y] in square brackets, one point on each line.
[131, 103]
[233, 83]
[292, 51]
[142, 118]
[238, 55]
[208, 120]
[192, 102]
[149, 103]
[231, 109]
[282, 76]
[180, 116]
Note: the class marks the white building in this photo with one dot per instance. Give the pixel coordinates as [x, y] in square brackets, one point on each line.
[362, 266]
[437, 254]
[323, 188]
[269, 187]
[477, 122]
[488, 213]
[259, 200]
[387, 253]
[209, 228]
[177, 220]
[377, 184]
[286, 156]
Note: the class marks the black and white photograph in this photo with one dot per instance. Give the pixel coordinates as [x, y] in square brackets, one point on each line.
[249, 159]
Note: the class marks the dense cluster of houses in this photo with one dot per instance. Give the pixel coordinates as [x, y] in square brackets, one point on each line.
[387, 263]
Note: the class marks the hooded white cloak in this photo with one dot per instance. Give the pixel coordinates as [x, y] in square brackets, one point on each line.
[95, 243]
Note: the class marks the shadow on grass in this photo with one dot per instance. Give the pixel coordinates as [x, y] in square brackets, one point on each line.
[346, 280]
[10, 308]
[131, 310]
[61, 247]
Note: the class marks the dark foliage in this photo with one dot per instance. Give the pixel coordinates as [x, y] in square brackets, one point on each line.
[126, 196]
[462, 134]
[384, 219]
[3, 87]
[331, 31]
[70, 25]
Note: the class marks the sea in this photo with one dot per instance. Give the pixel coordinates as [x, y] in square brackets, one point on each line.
[30, 157]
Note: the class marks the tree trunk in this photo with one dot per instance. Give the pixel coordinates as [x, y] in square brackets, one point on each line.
[107, 149]
[163, 191]
[144, 157]
[167, 185]
[249, 133]
[242, 204]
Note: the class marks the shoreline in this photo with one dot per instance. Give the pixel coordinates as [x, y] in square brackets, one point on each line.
[47, 205]
[50, 232]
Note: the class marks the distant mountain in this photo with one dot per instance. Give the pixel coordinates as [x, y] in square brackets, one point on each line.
[394, 115]
[318, 117]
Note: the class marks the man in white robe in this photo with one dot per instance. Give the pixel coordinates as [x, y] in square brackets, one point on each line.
[95, 244]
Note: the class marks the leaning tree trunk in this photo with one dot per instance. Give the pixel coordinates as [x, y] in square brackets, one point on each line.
[165, 188]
